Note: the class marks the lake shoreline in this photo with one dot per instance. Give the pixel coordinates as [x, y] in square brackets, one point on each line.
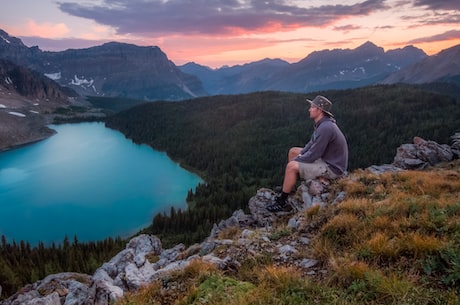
[122, 186]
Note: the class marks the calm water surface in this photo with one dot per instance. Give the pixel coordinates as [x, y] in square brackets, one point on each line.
[89, 181]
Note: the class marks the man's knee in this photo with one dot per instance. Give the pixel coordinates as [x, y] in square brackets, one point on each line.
[294, 152]
[292, 167]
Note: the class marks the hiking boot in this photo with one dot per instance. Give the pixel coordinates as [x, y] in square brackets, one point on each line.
[280, 205]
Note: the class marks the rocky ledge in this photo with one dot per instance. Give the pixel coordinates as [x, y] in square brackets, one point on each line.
[144, 260]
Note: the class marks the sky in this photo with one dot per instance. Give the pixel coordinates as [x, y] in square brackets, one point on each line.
[216, 33]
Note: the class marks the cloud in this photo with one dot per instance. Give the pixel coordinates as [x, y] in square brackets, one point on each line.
[430, 19]
[47, 29]
[212, 17]
[347, 28]
[449, 5]
[449, 35]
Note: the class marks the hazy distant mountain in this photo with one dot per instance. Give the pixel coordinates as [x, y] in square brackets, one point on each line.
[245, 78]
[321, 70]
[442, 67]
[112, 69]
[344, 68]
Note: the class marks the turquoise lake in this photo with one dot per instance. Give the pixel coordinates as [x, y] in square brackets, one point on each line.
[88, 181]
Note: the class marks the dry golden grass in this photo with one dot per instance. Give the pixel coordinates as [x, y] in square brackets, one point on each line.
[392, 222]
[230, 233]
[433, 183]
[312, 211]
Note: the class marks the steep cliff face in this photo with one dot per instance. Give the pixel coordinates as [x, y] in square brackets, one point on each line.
[31, 84]
[27, 99]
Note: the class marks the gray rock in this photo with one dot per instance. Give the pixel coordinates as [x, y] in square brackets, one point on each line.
[286, 251]
[258, 207]
[78, 293]
[340, 197]
[247, 233]
[50, 299]
[380, 169]
[304, 240]
[293, 224]
[308, 263]
[210, 258]
[456, 145]
[422, 154]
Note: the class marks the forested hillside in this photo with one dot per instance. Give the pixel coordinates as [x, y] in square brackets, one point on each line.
[21, 264]
[238, 143]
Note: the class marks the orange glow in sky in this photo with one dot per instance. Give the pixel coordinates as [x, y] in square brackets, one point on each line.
[215, 33]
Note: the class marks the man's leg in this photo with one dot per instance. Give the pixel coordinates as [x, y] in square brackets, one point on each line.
[290, 176]
[290, 179]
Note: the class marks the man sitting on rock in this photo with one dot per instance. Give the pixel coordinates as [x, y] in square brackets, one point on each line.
[325, 155]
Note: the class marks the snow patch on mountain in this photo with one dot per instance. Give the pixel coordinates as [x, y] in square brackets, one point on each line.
[17, 114]
[360, 69]
[81, 81]
[53, 76]
[4, 39]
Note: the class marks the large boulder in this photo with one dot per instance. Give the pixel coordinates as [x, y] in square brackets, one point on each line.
[421, 154]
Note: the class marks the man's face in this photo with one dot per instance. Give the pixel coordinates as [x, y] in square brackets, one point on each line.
[315, 112]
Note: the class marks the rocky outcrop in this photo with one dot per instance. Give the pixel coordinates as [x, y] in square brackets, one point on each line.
[144, 260]
[456, 144]
[420, 154]
[31, 84]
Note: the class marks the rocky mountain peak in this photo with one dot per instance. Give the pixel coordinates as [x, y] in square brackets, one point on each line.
[442, 67]
[7, 40]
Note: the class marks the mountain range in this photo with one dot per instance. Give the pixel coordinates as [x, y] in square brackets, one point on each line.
[328, 69]
[145, 73]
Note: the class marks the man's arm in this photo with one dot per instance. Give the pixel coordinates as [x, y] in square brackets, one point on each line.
[307, 147]
[317, 147]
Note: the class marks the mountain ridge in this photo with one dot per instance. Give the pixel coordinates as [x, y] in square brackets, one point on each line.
[112, 69]
[320, 70]
[444, 66]
[124, 70]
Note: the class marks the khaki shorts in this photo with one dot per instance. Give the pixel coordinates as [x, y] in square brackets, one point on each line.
[308, 171]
